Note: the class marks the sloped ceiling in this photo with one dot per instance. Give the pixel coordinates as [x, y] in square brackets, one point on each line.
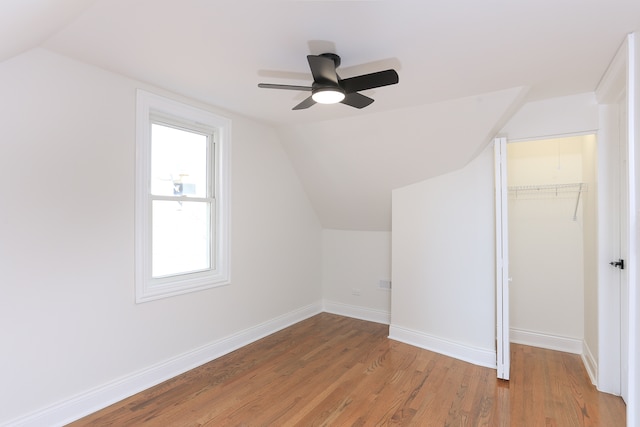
[26, 24]
[350, 166]
[464, 66]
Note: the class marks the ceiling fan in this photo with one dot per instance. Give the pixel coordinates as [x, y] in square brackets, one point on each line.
[329, 88]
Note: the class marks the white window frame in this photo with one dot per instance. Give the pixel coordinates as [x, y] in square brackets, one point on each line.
[150, 107]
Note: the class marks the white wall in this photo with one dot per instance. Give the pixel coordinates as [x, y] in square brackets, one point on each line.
[546, 256]
[68, 321]
[443, 263]
[353, 263]
[554, 117]
[443, 241]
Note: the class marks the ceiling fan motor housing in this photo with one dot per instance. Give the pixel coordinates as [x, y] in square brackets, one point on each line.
[334, 57]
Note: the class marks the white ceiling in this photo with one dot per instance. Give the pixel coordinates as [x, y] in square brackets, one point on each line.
[464, 65]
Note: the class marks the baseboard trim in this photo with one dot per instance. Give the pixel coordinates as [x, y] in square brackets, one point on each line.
[590, 363]
[100, 397]
[357, 312]
[550, 342]
[466, 353]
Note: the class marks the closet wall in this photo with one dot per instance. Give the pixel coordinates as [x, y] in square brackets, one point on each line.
[550, 186]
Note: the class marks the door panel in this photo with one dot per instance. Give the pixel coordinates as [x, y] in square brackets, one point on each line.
[624, 248]
[503, 348]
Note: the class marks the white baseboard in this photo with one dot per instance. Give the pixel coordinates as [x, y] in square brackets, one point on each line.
[466, 353]
[551, 342]
[357, 312]
[590, 363]
[100, 397]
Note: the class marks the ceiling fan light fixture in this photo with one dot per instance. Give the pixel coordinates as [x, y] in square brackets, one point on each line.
[328, 95]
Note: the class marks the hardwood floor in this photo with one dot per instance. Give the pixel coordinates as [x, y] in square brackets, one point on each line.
[336, 371]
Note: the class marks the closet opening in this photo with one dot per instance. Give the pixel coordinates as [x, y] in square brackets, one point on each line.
[552, 210]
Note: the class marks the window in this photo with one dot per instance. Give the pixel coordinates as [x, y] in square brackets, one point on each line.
[182, 198]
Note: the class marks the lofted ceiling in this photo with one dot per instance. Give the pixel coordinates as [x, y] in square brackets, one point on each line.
[465, 66]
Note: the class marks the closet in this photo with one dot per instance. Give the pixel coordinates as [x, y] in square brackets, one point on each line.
[552, 244]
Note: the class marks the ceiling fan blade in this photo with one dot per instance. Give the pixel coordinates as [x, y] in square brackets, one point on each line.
[369, 81]
[323, 69]
[289, 87]
[356, 100]
[304, 104]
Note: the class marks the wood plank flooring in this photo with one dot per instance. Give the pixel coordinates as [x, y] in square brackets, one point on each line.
[336, 371]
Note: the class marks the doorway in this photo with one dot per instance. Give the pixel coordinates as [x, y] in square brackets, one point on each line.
[595, 210]
[552, 230]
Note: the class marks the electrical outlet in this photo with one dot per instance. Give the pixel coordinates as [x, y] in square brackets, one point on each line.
[384, 284]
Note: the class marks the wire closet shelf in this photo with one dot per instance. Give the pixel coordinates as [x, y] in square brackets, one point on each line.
[548, 191]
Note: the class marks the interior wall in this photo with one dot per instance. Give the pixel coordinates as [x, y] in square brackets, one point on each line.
[546, 244]
[448, 221]
[548, 118]
[354, 263]
[443, 263]
[68, 319]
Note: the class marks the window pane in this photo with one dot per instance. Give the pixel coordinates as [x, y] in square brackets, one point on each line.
[180, 237]
[178, 162]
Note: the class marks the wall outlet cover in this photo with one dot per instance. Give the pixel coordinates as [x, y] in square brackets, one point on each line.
[384, 284]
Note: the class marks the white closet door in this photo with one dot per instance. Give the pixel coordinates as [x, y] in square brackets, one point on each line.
[502, 260]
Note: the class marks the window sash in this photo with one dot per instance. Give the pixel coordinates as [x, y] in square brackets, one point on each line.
[178, 243]
[211, 146]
